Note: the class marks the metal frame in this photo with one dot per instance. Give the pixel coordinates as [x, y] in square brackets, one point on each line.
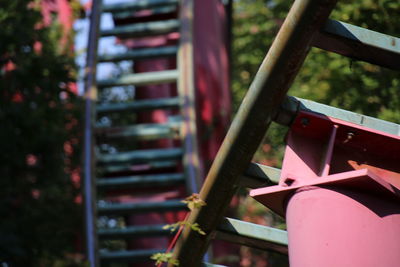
[260, 105]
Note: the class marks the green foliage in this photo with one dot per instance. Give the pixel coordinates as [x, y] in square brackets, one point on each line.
[38, 140]
[325, 77]
[164, 257]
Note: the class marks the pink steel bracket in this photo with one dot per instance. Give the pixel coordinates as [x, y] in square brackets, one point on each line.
[323, 151]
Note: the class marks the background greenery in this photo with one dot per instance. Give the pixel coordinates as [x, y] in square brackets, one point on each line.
[38, 141]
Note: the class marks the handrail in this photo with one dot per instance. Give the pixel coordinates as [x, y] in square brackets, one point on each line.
[260, 105]
[187, 93]
[90, 99]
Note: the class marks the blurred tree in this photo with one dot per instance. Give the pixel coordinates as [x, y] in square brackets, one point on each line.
[39, 185]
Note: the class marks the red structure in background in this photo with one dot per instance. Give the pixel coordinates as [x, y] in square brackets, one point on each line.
[213, 99]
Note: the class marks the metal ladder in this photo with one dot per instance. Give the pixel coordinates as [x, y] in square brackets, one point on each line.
[306, 25]
[114, 172]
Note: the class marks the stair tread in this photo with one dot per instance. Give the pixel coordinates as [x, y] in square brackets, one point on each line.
[140, 105]
[143, 53]
[138, 79]
[144, 131]
[124, 208]
[128, 167]
[141, 180]
[143, 155]
[155, 11]
[133, 231]
[143, 29]
[123, 255]
[137, 5]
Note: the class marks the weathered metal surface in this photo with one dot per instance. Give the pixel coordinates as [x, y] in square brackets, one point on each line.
[89, 161]
[140, 105]
[128, 255]
[360, 43]
[153, 165]
[252, 235]
[145, 131]
[138, 5]
[140, 207]
[133, 232]
[257, 175]
[140, 156]
[143, 29]
[139, 181]
[138, 79]
[144, 53]
[293, 105]
[260, 105]
[187, 93]
[154, 11]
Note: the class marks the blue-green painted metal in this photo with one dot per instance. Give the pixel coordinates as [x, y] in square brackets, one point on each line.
[252, 235]
[140, 156]
[138, 79]
[145, 131]
[139, 105]
[143, 29]
[153, 165]
[138, 5]
[133, 232]
[154, 11]
[128, 255]
[258, 175]
[293, 105]
[139, 181]
[140, 207]
[360, 43]
[144, 53]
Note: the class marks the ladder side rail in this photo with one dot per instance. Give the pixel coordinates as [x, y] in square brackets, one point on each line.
[260, 105]
[187, 93]
[90, 95]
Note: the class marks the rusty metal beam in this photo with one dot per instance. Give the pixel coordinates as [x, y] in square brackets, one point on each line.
[260, 105]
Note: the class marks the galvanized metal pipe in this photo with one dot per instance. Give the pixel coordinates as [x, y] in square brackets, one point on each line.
[260, 105]
[90, 98]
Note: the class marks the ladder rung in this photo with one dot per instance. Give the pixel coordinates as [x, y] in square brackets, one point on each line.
[148, 131]
[151, 165]
[359, 43]
[252, 235]
[128, 255]
[293, 105]
[144, 53]
[133, 231]
[139, 156]
[141, 180]
[258, 175]
[143, 29]
[138, 79]
[130, 208]
[154, 12]
[140, 105]
[138, 5]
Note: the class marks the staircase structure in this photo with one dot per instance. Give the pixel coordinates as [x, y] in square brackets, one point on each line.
[306, 25]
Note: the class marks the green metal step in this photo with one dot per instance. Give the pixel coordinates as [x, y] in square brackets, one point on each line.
[144, 53]
[141, 181]
[130, 208]
[133, 231]
[139, 79]
[154, 12]
[128, 255]
[137, 5]
[145, 131]
[153, 165]
[140, 105]
[252, 235]
[143, 29]
[140, 156]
